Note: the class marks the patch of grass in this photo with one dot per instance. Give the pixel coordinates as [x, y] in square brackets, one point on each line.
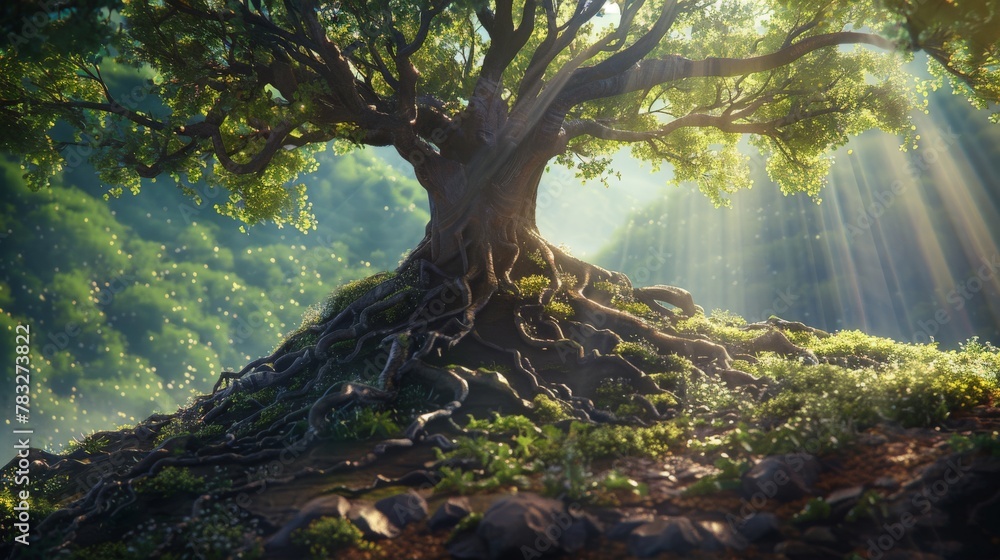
[327, 535]
[637, 441]
[640, 353]
[215, 533]
[512, 447]
[91, 444]
[720, 326]
[350, 292]
[170, 481]
[636, 308]
[548, 410]
[176, 427]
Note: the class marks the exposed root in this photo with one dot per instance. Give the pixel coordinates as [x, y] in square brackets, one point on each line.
[465, 340]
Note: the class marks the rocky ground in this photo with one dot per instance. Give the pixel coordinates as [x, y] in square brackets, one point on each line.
[893, 494]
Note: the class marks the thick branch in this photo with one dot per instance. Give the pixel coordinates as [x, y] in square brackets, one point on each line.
[650, 73]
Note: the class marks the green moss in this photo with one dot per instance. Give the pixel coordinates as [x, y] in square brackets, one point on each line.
[857, 343]
[176, 427]
[548, 410]
[636, 308]
[91, 444]
[719, 327]
[170, 481]
[532, 286]
[219, 530]
[653, 441]
[606, 287]
[350, 292]
[363, 423]
[559, 310]
[210, 431]
[640, 353]
[327, 535]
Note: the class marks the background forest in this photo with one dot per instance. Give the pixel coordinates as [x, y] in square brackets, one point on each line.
[137, 303]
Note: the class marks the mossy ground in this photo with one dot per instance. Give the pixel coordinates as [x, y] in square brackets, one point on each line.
[868, 383]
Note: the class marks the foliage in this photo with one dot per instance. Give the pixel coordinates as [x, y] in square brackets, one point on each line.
[220, 102]
[327, 535]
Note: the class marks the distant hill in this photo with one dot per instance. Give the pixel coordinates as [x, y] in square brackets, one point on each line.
[135, 304]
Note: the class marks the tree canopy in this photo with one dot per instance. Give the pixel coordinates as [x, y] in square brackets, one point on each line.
[242, 94]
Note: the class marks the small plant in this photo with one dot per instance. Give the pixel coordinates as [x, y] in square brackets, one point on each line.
[559, 310]
[365, 423]
[532, 286]
[327, 535]
[91, 444]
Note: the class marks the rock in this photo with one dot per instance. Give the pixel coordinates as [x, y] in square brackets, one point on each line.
[468, 547]
[758, 526]
[584, 527]
[403, 509]
[524, 523]
[624, 528]
[372, 522]
[324, 506]
[887, 483]
[719, 535]
[664, 534]
[841, 501]
[784, 478]
[449, 514]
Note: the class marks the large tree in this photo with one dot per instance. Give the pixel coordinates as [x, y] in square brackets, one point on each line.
[479, 97]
